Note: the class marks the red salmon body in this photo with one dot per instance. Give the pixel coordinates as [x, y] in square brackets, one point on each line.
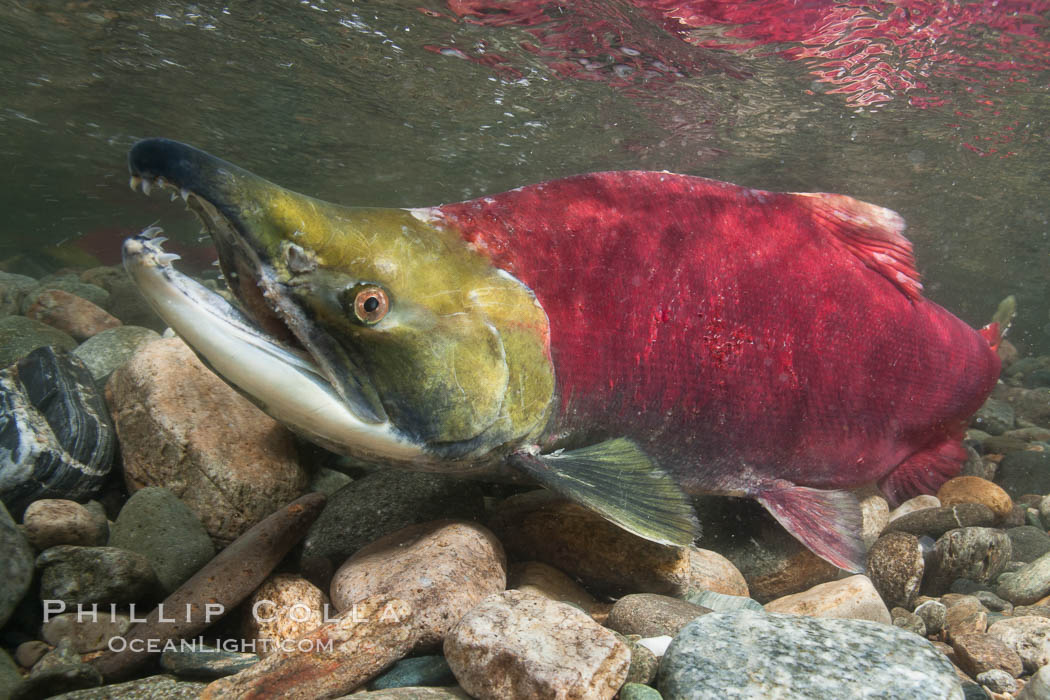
[747, 338]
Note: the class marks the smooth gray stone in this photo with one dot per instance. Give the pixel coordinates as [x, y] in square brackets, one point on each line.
[748, 654]
[651, 615]
[637, 691]
[13, 289]
[56, 680]
[16, 569]
[328, 481]
[85, 632]
[976, 553]
[1037, 687]
[152, 688]
[9, 675]
[937, 521]
[160, 527]
[1029, 542]
[721, 602]
[416, 671]
[1024, 472]
[1028, 585]
[207, 662]
[106, 351]
[127, 304]
[19, 336]
[85, 575]
[995, 417]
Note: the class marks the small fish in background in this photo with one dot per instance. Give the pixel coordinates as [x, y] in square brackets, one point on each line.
[623, 338]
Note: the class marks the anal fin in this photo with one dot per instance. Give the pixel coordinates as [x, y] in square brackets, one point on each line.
[828, 522]
[924, 471]
[618, 481]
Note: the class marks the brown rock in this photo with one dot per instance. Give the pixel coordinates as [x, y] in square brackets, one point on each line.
[875, 514]
[183, 428]
[71, 314]
[402, 592]
[973, 489]
[54, 521]
[223, 583]
[284, 608]
[710, 571]
[544, 580]
[851, 598]
[540, 526]
[895, 565]
[965, 615]
[516, 645]
[977, 653]
[652, 615]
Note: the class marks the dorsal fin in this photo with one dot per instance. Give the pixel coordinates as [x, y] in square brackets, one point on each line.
[874, 234]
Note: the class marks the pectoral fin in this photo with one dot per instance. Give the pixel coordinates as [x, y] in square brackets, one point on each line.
[617, 480]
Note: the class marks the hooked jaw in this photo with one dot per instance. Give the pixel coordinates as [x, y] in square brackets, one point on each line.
[244, 213]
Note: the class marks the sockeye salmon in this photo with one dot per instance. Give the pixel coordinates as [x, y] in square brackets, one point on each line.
[623, 338]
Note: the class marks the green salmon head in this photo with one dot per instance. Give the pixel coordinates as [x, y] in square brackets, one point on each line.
[407, 324]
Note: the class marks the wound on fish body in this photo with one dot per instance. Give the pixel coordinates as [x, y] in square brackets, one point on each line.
[622, 338]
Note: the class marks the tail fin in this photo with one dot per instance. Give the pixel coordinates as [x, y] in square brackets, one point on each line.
[828, 522]
[995, 331]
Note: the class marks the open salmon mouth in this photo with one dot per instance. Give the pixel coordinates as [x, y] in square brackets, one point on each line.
[231, 204]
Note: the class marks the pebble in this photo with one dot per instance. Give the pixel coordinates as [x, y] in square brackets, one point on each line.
[997, 681]
[908, 621]
[151, 688]
[230, 472]
[224, 582]
[416, 671]
[70, 314]
[937, 521]
[402, 592]
[19, 336]
[896, 565]
[934, 614]
[58, 438]
[973, 489]
[85, 575]
[539, 526]
[54, 521]
[920, 502]
[977, 553]
[751, 654]
[17, 558]
[517, 645]
[542, 579]
[70, 285]
[13, 289]
[283, 608]
[720, 602]
[1024, 472]
[710, 571]
[86, 632]
[160, 527]
[851, 598]
[644, 663]
[995, 417]
[977, 653]
[1028, 543]
[1003, 445]
[104, 352]
[965, 615]
[206, 662]
[28, 653]
[1027, 585]
[651, 615]
[1029, 636]
[365, 510]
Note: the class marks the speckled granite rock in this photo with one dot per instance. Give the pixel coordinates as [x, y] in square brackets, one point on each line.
[896, 565]
[17, 558]
[402, 592]
[160, 527]
[516, 645]
[762, 655]
[542, 579]
[85, 632]
[183, 428]
[976, 553]
[1027, 635]
[651, 615]
[282, 609]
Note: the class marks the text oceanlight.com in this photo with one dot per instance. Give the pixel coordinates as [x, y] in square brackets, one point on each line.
[250, 646]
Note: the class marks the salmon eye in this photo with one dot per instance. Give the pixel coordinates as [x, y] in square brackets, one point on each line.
[370, 303]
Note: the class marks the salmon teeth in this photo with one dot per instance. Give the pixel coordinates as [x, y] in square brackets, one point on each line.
[152, 231]
[146, 186]
[184, 193]
[134, 182]
[167, 258]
